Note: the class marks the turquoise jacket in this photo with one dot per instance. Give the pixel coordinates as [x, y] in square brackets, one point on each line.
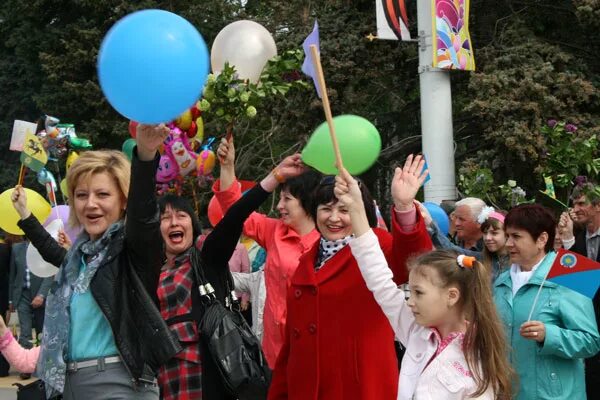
[552, 369]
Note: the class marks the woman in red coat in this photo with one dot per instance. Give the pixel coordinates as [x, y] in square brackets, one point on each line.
[339, 344]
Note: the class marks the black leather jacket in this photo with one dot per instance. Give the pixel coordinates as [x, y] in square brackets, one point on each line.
[125, 284]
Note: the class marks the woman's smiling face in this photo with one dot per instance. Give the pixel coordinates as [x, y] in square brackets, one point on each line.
[333, 221]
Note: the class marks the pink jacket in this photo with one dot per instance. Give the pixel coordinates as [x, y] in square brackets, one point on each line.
[240, 262]
[284, 247]
[23, 360]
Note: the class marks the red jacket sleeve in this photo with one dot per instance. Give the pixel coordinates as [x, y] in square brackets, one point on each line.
[406, 244]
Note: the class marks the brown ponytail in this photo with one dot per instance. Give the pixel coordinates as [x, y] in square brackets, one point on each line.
[485, 345]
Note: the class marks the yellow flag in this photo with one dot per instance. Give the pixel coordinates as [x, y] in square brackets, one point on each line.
[33, 155]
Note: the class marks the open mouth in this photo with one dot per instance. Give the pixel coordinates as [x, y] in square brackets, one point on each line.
[334, 228]
[93, 218]
[176, 237]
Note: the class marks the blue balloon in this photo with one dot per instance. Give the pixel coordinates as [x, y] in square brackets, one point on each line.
[152, 66]
[439, 216]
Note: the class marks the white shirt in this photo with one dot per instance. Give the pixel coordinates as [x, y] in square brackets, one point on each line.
[520, 278]
[254, 284]
[447, 376]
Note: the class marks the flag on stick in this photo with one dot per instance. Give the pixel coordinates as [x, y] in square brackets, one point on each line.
[551, 195]
[311, 43]
[308, 66]
[576, 272]
[33, 155]
[20, 129]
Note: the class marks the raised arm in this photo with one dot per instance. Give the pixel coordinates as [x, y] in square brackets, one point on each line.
[371, 261]
[49, 249]
[143, 239]
[221, 242]
[227, 190]
[408, 228]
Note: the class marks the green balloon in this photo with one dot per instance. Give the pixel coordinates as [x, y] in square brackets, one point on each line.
[359, 143]
[128, 146]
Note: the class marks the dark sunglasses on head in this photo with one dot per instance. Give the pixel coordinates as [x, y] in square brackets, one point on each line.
[330, 180]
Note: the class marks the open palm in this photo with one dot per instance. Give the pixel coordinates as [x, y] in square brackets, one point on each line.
[407, 181]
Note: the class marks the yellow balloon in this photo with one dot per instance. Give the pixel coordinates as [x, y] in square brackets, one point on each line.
[73, 155]
[64, 188]
[184, 121]
[200, 132]
[38, 206]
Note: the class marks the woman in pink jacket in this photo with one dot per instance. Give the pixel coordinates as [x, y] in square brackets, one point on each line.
[285, 239]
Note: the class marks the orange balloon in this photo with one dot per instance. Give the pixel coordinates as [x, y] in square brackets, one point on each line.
[205, 162]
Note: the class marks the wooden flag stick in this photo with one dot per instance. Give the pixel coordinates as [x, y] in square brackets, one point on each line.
[316, 59]
[21, 175]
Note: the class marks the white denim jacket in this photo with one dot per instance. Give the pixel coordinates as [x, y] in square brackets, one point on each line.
[447, 376]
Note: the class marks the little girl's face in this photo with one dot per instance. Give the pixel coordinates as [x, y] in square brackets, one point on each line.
[427, 298]
[494, 239]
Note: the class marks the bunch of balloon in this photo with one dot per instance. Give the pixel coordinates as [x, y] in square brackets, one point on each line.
[60, 141]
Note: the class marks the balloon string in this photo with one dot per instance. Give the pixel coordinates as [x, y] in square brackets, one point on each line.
[59, 181]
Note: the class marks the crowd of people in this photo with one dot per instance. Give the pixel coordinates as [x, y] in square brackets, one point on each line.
[479, 319]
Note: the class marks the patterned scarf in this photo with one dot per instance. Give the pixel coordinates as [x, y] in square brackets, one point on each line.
[328, 248]
[51, 366]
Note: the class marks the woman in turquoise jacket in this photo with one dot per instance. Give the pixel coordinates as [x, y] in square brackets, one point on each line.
[549, 346]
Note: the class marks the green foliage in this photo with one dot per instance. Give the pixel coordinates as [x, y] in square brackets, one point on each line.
[536, 61]
[570, 152]
[230, 100]
[474, 181]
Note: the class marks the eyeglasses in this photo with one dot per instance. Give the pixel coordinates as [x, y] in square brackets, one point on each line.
[330, 180]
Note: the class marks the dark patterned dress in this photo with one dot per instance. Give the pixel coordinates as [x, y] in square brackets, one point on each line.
[181, 377]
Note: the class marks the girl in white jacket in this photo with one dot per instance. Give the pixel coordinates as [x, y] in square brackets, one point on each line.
[455, 345]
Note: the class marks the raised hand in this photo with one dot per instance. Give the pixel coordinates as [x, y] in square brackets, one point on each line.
[348, 192]
[291, 166]
[565, 226]
[19, 200]
[226, 152]
[149, 138]
[407, 181]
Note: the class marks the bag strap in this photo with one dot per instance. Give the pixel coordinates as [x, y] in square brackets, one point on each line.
[198, 269]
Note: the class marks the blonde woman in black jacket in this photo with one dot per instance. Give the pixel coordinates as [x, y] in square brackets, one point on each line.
[103, 335]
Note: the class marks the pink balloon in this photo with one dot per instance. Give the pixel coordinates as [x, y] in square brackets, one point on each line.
[62, 212]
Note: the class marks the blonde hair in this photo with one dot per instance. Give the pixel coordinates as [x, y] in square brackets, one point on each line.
[485, 345]
[112, 162]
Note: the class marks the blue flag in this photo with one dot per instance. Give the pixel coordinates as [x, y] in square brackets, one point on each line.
[307, 66]
[426, 167]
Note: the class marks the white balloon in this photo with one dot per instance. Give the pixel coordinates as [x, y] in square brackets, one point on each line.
[246, 45]
[37, 265]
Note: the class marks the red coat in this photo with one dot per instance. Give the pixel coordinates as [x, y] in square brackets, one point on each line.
[339, 345]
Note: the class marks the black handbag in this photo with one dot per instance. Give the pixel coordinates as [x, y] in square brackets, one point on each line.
[233, 346]
[35, 390]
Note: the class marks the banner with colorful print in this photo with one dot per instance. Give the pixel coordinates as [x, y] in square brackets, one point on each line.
[392, 20]
[451, 42]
